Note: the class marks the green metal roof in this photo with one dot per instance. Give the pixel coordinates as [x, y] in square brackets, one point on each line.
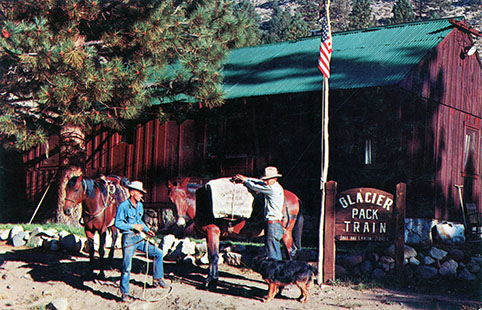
[370, 57]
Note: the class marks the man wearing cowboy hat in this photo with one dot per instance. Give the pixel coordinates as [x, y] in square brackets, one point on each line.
[274, 198]
[129, 221]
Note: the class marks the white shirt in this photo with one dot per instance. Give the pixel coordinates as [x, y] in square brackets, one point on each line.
[274, 197]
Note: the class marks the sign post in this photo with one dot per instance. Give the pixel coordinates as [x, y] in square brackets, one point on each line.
[363, 214]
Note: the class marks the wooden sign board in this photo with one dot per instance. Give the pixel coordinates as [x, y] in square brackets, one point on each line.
[364, 214]
[361, 214]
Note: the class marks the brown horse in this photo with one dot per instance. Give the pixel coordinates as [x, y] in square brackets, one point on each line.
[99, 198]
[193, 203]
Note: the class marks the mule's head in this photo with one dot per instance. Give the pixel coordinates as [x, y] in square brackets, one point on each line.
[181, 198]
[74, 193]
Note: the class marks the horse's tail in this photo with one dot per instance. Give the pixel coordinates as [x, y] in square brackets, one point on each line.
[298, 228]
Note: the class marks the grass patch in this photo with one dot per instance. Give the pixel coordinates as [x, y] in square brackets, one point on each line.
[79, 231]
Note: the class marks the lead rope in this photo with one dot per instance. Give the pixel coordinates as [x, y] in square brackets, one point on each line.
[147, 268]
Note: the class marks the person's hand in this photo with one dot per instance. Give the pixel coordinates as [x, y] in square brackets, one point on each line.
[150, 233]
[138, 227]
[240, 177]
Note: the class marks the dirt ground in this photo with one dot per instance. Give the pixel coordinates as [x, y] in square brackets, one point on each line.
[32, 278]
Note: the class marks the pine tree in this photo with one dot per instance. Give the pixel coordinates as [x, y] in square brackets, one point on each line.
[282, 26]
[402, 12]
[340, 9]
[245, 10]
[310, 10]
[360, 15]
[68, 67]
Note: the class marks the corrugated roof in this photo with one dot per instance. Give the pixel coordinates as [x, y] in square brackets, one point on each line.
[364, 58]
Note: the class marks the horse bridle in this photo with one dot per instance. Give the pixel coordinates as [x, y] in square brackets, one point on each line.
[77, 196]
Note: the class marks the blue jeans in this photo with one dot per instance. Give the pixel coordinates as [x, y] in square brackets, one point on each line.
[274, 234]
[130, 243]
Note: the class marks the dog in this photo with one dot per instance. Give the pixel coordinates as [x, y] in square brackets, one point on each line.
[282, 273]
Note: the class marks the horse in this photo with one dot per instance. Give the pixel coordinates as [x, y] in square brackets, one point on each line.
[100, 199]
[187, 198]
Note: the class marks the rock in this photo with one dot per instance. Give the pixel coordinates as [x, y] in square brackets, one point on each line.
[449, 268]
[476, 260]
[340, 271]
[15, 230]
[204, 260]
[413, 261]
[18, 239]
[428, 260]
[70, 242]
[233, 259]
[36, 241]
[473, 267]
[189, 259]
[437, 253]
[373, 257]
[378, 274]
[466, 275]
[63, 234]
[366, 267]
[427, 272]
[188, 247]
[58, 304]
[408, 251]
[387, 263]
[349, 261]
[53, 245]
[51, 232]
[4, 234]
[168, 243]
[456, 254]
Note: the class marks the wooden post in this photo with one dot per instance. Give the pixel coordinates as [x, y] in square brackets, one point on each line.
[400, 205]
[329, 233]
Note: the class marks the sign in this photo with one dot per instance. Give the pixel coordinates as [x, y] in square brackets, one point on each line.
[364, 214]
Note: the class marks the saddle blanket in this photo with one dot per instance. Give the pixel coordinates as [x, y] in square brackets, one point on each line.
[230, 199]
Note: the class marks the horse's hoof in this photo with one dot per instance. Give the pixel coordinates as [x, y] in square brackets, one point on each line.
[211, 284]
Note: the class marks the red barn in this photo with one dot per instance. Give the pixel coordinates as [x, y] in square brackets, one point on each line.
[405, 106]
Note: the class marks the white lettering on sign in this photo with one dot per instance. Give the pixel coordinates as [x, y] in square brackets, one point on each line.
[369, 198]
[365, 227]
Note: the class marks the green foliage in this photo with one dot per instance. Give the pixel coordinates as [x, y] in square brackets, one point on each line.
[283, 27]
[360, 15]
[87, 62]
[402, 12]
[79, 231]
[338, 15]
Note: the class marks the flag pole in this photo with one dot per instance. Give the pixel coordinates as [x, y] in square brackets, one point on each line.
[324, 158]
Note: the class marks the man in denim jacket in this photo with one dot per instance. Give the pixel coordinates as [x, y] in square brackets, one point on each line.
[129, 222]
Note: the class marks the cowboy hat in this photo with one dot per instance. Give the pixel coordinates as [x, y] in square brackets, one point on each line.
[270, 173]
[137, 185]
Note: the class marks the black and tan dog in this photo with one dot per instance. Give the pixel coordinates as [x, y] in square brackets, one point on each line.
[282, 273]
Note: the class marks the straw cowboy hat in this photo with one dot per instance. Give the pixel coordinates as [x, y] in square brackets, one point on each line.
[270, 173]
[137, 185]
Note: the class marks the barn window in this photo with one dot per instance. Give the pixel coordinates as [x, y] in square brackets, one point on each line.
[471, 151]
[368, 152]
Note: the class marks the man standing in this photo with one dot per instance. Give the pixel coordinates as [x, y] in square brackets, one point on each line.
[129, 222]
[274, 198]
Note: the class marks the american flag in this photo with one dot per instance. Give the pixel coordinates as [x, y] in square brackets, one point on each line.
[325, 47]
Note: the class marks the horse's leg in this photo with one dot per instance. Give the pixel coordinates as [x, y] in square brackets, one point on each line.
[114, 234]
[101, 253]
[90, 240]
[212, 235]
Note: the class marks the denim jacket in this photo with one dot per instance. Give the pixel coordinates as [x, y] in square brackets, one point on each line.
[128, 215]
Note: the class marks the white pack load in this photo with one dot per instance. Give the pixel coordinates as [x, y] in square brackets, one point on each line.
[230, 199]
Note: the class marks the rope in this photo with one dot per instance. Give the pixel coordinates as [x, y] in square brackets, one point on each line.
[147, 267]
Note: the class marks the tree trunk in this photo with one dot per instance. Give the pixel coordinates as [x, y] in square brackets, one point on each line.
[72, 163]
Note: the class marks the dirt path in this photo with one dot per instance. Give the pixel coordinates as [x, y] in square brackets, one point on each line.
[32, 278]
